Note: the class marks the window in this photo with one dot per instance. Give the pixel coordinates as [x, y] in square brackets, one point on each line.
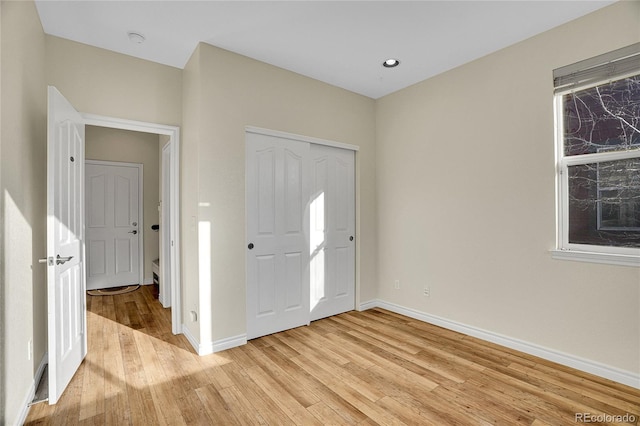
[597, 104]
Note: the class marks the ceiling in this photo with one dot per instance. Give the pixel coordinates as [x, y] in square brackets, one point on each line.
[342, 43]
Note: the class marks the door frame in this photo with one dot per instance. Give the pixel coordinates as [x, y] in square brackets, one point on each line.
[173, 132]
[165, 237]
[140, 206]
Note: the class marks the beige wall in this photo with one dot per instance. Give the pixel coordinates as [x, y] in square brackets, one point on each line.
[229, 92]
[457, 193]
[133, 147]
[189, 182]
[22, 204]
[99, 81]
[465, 171]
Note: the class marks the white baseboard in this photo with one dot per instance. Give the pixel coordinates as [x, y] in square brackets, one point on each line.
[228, 343]
[215, 346]
[32, 391]
[191, 338]
[164, 300]
[369, 305]
[621, 376]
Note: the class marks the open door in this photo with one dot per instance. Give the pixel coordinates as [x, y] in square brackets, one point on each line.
[65, 243]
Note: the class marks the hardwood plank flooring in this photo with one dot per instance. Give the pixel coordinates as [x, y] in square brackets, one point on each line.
[358, 368]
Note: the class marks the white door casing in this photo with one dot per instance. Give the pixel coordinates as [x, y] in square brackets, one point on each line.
[65, 243]
[114, 224]
[165, 229]
[332, 231]
[277, 223]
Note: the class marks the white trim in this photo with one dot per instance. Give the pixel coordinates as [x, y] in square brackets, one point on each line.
[191, 338]
[124, 124]
[592, 257]
[368, 305]
[140, 167]
[24, 412]
[215, 346]
[165, 212]
[599, 157]
[174, 225]
[228, 343]
[26, 405]
[560, 184]
[174, 139]
[300, 138]
[624, 256]
[621, 376]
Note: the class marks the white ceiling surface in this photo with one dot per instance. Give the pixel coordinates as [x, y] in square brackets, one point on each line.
[342, 43]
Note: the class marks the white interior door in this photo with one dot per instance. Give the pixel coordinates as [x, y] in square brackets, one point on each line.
[65, 243]
[277, 229]
[332, 230]
[114, 228]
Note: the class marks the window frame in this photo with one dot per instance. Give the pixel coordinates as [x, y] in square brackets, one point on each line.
[626, 256]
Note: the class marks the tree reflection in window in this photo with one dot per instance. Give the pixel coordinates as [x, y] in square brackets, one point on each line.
[604, 195]
[603, 118]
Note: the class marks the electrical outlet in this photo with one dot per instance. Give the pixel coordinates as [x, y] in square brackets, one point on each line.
[396, 284]
[194, 316]
[426, 292]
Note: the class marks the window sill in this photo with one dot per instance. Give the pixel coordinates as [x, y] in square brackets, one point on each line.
[591, 257]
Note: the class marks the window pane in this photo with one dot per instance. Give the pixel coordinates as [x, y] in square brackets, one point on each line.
[604, 203]
[603, 118]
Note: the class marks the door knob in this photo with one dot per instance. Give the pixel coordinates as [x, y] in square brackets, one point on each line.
[134, 232]
[47, 260]
[250, 246]
[351, 238]
[61, 260]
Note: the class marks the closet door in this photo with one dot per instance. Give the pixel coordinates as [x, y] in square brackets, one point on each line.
[332, 230]
[277, 233]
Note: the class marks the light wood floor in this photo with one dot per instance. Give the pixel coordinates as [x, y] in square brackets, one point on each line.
[372, 367]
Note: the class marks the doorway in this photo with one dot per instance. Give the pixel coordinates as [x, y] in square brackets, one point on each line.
[170, 237]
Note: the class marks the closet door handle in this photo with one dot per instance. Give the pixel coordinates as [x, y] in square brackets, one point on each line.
[250, 246]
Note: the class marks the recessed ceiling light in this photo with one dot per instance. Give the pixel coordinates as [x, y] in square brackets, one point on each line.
[390, 63]
[136, 37]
